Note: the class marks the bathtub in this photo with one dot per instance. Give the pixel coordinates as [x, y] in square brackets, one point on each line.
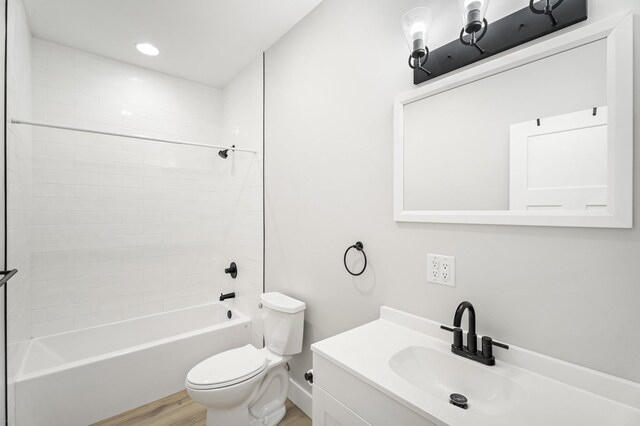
[84, 376]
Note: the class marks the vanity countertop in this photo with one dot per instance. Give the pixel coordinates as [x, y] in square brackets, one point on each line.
[408, 358]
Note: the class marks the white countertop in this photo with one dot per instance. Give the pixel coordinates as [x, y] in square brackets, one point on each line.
[547, 392]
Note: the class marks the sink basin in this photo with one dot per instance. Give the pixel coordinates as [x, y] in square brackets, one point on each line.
[441, 373]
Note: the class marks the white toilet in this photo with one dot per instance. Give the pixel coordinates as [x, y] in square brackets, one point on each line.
[248, 386]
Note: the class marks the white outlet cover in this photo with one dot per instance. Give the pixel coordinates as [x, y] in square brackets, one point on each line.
[441, 269]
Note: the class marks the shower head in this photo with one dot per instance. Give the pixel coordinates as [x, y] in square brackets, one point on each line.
[224, 153]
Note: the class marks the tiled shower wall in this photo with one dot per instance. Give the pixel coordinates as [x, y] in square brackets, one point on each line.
[123, 228]
[242, 126]
[18, 193]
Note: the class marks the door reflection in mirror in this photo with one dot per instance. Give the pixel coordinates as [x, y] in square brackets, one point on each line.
[559, 162]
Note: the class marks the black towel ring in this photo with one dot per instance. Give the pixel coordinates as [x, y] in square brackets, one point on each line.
[358, 246]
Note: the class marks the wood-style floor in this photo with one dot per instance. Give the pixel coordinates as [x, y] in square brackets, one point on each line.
[180, 410]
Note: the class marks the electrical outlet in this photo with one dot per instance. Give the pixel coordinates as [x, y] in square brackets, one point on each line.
[434, 262]
[441, 269]
[435, 271]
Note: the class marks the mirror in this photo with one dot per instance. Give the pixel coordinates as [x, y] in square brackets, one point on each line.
[536, 137]
[559, 163]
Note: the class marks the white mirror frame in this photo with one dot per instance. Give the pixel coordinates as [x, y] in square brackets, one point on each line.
[618, 32]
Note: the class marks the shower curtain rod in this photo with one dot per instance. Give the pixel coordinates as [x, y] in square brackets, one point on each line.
[123, 135]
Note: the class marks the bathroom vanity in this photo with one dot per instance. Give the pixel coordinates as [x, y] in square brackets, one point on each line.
[399, 370]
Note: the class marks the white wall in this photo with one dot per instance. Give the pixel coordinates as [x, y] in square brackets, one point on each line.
[123, 228]
[19, 192]
[242, 126]
[330, 84]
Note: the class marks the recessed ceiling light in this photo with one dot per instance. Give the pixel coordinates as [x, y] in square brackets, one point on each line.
[147, 49]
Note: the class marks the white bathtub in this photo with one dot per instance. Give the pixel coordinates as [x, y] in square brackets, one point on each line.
[84, 376]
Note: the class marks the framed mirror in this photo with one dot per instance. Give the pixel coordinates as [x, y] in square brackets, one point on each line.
[540, 136]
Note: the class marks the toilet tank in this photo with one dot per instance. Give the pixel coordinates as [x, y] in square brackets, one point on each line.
[283, 322]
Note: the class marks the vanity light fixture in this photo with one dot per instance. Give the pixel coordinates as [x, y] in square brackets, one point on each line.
[475, 24]
[547, 10]
[147, 49]
[416, 24]
[522, 26]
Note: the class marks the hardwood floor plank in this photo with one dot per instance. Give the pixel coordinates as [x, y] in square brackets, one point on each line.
[136, 413]
[295, 417]
[180, 410]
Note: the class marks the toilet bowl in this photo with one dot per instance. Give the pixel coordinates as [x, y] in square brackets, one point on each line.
[248, 386]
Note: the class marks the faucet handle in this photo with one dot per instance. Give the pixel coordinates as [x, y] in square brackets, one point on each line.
[500, 345]
[457, 336]
[487, 346]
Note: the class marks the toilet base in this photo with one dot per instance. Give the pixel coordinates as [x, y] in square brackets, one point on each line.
[271, 419]
[268, 407]
[238, 416]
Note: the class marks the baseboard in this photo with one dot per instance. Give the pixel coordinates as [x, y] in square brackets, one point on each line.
[301, 397]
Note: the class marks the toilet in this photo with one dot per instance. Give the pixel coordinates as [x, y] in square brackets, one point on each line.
[248, 386]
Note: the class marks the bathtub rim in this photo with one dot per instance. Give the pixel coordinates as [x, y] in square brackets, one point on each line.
[237, 318]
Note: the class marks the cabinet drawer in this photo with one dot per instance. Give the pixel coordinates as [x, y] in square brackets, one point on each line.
[365, 401]
[327, 411]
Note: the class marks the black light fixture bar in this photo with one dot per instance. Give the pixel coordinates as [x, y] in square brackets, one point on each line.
[518, 28]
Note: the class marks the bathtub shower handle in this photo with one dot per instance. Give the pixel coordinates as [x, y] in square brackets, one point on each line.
[232, 270]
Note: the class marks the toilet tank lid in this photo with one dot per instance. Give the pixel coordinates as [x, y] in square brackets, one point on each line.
[281, 303]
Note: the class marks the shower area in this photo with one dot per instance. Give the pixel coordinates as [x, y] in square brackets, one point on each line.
[129, 191]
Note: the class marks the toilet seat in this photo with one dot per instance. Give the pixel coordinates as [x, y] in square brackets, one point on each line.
[227, 368]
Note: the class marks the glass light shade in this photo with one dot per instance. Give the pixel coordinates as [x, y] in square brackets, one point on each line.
[416, 25]
[473, 13]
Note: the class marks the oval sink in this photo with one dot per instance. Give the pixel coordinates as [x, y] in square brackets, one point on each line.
[442, 373]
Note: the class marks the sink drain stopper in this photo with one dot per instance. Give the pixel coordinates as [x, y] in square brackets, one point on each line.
[458, 400]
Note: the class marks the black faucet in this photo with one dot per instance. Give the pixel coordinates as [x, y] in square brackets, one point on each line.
[471, 350]
[472, 339]
[231, 295]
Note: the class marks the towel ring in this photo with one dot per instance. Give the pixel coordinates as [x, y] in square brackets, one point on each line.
[358, 246]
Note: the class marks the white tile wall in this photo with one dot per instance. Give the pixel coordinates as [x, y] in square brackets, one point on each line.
[124, 228]
[19, 193]
[242, 118]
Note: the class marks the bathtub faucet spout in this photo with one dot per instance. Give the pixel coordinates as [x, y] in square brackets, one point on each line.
[227, 296]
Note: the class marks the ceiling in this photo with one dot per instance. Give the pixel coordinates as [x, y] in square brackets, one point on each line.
[207, 41]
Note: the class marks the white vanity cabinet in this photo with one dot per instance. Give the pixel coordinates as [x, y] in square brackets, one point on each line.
[342, 399]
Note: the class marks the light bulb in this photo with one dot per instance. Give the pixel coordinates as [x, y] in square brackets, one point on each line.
[418, 30]
[473, 12]
[470, 5]
[416, 25]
